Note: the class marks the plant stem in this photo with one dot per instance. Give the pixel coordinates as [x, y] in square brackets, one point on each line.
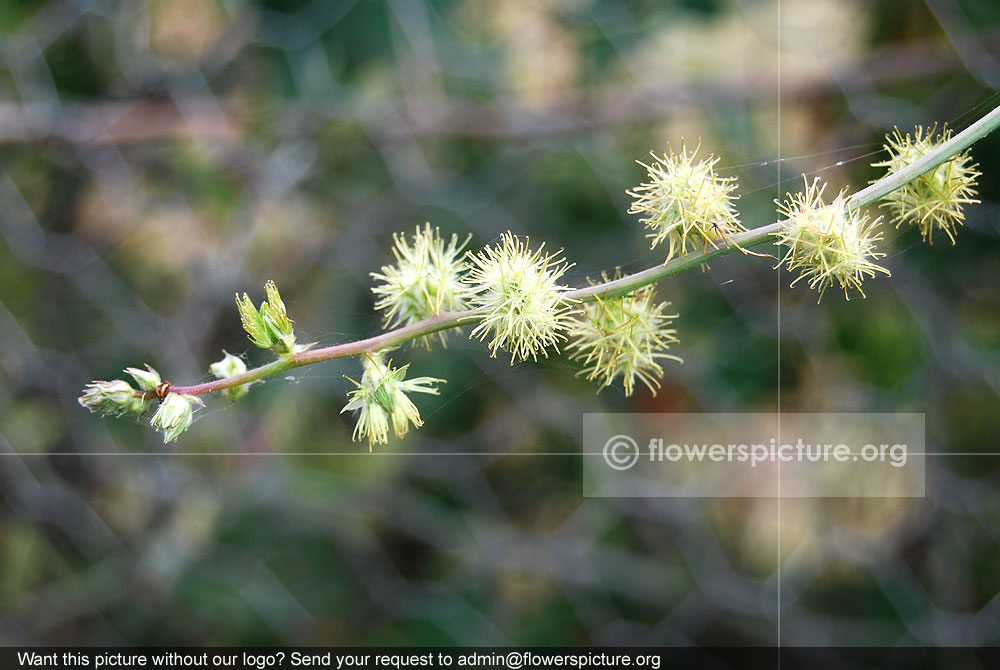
[610, 289]
[369, 345]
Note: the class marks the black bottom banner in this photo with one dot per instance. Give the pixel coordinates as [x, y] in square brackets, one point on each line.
[498, 658]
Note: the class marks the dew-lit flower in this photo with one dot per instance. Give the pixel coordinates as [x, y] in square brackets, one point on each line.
[828, 243]
[526, 307]
[425, 280]
[230, 366]
[686, 203]
[625, 336]
[934, 200]
[381, 398]
[174, 415]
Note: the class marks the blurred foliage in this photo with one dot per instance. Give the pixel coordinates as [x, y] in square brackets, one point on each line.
[157, 157]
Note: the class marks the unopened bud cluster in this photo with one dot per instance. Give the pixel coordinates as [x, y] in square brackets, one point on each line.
[119, 398]
[268, 326]
[113, 398]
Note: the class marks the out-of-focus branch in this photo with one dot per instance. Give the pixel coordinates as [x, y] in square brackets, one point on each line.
[116, 122]
[120, 122]
[619, 104]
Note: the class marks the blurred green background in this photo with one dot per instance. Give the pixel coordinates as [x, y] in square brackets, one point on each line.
[156, 157]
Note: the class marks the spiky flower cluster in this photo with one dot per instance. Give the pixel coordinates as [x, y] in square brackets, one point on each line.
[624, 336]
[932, 201]
[381, 398]
[268, 327]
[526, 307]
[425, 281]
[175, 414]
[686, 203]
[828, 243]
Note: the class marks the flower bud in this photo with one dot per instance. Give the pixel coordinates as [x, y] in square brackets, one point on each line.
[114, 398]
[175, 415]
[269, 327]
[230, 366]
[147, 379]
[275, 318]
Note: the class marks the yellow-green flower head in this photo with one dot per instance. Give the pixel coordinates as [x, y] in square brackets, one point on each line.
[381, 398]
[934, 200]
[174, 415]
[686, 203]
[526, 308]
[425, 281]
[828, 243]
[625, 336]
[113, 398]
[230, 366]
[269, 327]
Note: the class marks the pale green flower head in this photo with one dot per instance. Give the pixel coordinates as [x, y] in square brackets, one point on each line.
[268, 327]
[625, 336]
[425, 280]
[934, 201]
[230, 366]
[526, 307]
[686, 203]
[114, 398]
[828, 243]
[174, 415]
[381, 399]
